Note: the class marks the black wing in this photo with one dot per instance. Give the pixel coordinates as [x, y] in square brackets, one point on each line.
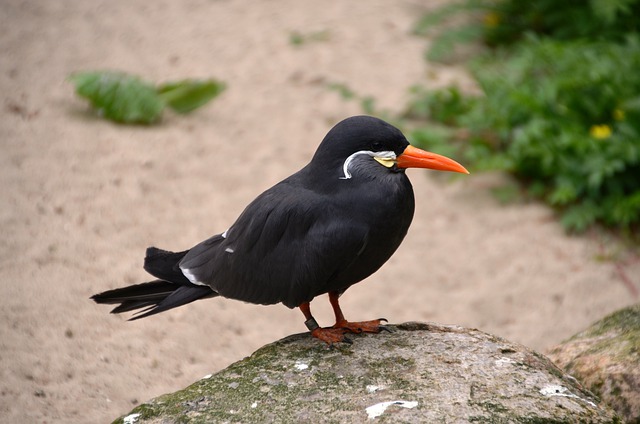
[287, 246]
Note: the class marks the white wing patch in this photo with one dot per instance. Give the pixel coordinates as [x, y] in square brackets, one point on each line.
[191, 277]
[187, 273]
[383, 155]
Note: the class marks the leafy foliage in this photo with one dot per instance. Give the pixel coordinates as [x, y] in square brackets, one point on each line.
[187, 95]
[505, 22]
[128, 99]
[560, 107]
[567, 20]
[119, 97]
[367, 103]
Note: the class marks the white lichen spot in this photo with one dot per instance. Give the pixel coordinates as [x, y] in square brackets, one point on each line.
[557, 390]
[372, 389]
[254, 405]
[131, 419]
[206, 377]
[228, 250]
[300, 366]
[378, 409]
[500, 362]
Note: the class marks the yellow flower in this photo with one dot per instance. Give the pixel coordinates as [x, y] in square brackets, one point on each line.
[491, 19]
[618, 114]
[600, 132]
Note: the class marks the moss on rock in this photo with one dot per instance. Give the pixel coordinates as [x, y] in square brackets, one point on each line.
[606, 359]
[424, 373]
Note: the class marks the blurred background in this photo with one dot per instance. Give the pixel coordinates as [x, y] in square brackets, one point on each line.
[540, 101]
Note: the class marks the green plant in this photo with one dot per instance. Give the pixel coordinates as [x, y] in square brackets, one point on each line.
[128, 99]
[505, 22]
[297, 38]
[560, 107]
[564, 117]
[367, 103]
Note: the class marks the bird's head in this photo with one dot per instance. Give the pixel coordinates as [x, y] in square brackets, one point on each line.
[365, 138]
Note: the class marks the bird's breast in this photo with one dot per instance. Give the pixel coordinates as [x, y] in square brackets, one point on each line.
[386, 209]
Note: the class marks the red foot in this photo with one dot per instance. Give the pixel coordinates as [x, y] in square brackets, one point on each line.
[331, 335]
[373, 326]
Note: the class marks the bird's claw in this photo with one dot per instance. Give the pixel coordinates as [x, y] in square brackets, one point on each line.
[385, 328]
[345, 340]
[372, 326]
[336, 334]
[331, 335]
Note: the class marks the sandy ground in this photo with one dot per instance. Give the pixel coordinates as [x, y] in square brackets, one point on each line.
[82, 198]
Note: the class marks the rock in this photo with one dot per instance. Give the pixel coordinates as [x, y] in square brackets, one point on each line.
[606, 359]
[418, 373]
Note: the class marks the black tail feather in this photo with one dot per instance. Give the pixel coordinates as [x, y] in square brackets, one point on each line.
[156, 296]
[164, 265]
[172, 289]
[153, 291]
[127, 306]
[137, 296]
[181, 296]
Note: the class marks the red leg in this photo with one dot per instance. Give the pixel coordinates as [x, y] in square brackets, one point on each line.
[372, 326]
[329, 335]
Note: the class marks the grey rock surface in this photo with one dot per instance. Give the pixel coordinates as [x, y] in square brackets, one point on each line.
[417, 373]
[606, 359]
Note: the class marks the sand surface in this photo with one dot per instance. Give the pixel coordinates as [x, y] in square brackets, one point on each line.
[82, 198]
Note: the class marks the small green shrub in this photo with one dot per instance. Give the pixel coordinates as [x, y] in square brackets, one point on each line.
[561, 101]
[128, 99]
[562, 116]
[505, 22]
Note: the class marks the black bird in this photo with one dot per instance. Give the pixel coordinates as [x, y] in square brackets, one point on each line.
[321, 230]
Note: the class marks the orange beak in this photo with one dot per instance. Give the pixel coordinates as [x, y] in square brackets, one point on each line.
[412, 157]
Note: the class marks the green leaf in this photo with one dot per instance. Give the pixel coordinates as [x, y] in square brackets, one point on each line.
[368, 105]
[119, 96]
[187, 95]
[626, 211]
[441, 14]
[632, 104]
[564, 192]
[444, 46]
[608, 9]
[579, 217]
[345, 92]
[297, 38]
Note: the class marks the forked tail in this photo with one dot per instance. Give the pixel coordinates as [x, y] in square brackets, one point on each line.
[172, 289]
